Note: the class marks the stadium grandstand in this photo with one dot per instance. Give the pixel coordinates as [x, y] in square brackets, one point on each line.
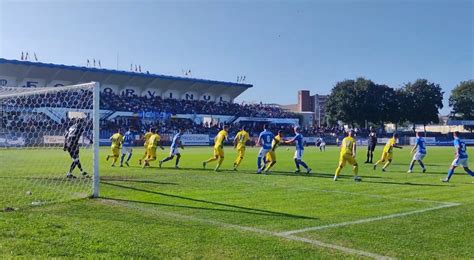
[141, 100]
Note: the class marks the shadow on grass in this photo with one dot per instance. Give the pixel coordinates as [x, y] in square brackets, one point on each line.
[278, 173]
[426, 164]
[438, 164]
[457, 172]
[235, 209]
[428, 173]
[127, 179]
[407, 183]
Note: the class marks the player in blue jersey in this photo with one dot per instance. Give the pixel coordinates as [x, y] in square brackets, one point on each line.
[265, 139]
[419, 151]
[298, 140]
[127, 147]
[174, 149]
[460, 158]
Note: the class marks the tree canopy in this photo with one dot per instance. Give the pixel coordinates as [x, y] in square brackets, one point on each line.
[462, 101]
[355, 101]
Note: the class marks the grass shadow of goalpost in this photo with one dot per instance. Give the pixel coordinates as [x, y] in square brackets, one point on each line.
[234, 208]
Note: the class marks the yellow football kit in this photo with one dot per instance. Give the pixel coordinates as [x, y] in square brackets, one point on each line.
[117, 140]
[153, 143]
[241, 138]
[219, 143]
[218, 150]
[271, 156]
[146, 137]
[387, 153]
[347, 156]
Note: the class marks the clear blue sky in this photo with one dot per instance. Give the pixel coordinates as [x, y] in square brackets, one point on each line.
[281, 46]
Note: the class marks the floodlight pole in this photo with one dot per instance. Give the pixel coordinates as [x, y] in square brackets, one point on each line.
[96, 139]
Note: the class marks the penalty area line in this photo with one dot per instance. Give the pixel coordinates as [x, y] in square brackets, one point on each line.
[366, 220]
[290, 237]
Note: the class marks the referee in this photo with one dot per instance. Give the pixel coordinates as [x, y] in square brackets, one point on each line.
[371, 143]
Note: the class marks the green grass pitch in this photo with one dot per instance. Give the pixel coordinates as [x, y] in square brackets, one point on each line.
[193, 213]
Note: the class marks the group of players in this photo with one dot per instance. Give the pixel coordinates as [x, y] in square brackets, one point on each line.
[348, 154]
[121, 144]
[268, 143]
[152, 140]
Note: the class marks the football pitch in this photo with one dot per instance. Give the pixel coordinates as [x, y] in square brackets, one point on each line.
[193, 213]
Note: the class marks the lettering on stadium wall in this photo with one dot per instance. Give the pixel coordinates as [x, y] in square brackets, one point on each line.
[189, 96]
[151, 93]
[128, 91]
[107, 91]
[3, 82]
[6, 81]
[31, 83]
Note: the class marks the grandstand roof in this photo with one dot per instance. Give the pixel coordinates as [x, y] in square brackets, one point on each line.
[79, 74]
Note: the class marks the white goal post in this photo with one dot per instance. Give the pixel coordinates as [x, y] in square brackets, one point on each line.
[49, 144]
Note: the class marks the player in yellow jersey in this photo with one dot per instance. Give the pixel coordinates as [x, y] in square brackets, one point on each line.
[271, 156]
[348, 155]
[146, 137]
[117, 140]
[153, 142]
[240, 142]
[218, 148]
[387, 153]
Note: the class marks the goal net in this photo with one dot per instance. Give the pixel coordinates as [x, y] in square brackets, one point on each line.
[48, 145]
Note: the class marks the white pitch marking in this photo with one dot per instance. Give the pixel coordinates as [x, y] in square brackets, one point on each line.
[397, 215]
[250, 229]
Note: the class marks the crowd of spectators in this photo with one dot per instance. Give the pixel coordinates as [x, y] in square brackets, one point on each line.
[82, 99]
[172, 125]
[110, 101]
[16, 121]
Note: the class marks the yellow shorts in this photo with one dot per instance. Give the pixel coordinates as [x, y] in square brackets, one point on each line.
[151, 153]
[241, 151]
[219, 151]
[346, 158]
[271, 156]
[115, 151]
[386, 156]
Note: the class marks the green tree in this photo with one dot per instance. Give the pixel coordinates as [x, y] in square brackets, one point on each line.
[396, 110]
[361, 100]
[341, 104]
[423, 100]
[385, 105]
[365, 101]
[462, 101]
